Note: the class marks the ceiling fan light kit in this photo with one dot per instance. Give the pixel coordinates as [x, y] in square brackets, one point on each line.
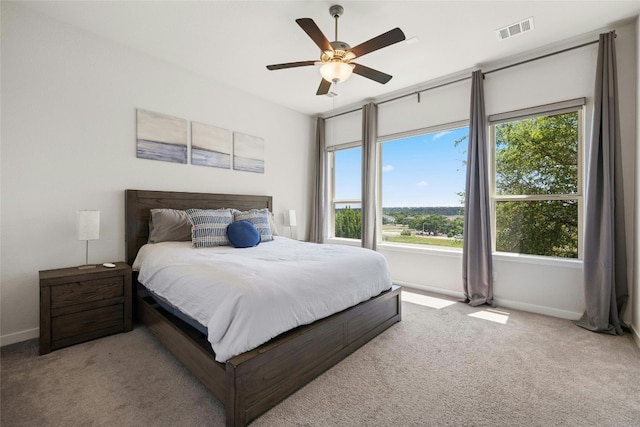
[336, 56]
[336, 71]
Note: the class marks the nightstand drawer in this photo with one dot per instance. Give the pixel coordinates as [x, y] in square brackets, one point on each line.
[86, 291]
[78, 305]
[87, 323]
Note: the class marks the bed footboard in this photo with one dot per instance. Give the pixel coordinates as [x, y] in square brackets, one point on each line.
[254, 382]
[260, 379]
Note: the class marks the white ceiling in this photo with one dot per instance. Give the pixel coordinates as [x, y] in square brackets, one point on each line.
[232, 41]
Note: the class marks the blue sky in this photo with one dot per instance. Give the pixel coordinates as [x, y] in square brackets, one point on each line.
[424, 170]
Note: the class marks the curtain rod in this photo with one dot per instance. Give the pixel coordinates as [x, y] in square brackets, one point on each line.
[467, 78]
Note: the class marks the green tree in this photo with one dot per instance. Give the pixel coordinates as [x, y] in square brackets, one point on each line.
[538, 156]
[348, 223]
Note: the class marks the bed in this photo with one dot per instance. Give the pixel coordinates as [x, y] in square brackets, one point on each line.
[254, 381]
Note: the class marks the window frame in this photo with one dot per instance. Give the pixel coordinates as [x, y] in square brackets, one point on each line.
[570, 106]
[403, 135]
[331, 215]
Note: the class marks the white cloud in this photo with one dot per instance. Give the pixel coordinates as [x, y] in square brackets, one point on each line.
[441, 134]
[422, 184]
[387, 168]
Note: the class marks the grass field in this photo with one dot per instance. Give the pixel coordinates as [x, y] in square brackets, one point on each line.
[452, 243]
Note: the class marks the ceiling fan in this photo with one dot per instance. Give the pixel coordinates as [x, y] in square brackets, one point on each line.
[336, 57]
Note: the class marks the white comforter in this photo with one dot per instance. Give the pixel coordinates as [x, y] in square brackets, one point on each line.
[247, 296]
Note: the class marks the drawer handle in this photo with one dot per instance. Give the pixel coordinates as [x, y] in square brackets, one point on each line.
[89, 322]
[89, 292]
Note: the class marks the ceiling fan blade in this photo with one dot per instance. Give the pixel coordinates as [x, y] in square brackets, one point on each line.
[290, 65]
[383, 40]
[314, 32]
[324, 87]
[372, 74]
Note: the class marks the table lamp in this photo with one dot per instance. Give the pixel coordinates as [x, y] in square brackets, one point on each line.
[88, 227]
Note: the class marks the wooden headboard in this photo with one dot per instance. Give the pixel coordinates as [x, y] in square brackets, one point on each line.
[138, 204]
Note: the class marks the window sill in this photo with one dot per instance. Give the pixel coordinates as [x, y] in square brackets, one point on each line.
[537, 260]
[497, 256]
[432, 250]
[343, 241]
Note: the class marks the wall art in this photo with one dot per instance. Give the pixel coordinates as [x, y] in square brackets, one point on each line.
[248, 153]
[161, 137]
[210, 146]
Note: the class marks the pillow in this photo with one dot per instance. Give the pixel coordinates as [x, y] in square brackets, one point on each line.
[209, 227]
[243, 234]
[259, 218]
[169, 225]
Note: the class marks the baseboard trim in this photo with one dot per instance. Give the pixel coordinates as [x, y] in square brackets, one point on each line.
[516, 305]
[435, 290]
[539, 309]
[19, 336]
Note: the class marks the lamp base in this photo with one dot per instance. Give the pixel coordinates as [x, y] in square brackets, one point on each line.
[85, 267]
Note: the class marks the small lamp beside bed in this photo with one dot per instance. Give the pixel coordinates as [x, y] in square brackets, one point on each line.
[88, 228]
[292, 221]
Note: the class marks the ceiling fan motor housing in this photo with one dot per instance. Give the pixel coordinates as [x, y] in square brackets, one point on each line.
[336, 10]
[338, 45]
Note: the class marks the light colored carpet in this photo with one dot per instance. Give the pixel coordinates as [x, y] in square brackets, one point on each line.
[445, 364]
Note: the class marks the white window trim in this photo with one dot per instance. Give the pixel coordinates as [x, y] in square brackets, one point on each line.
[575, 105]
[402, 135]
[330, 215]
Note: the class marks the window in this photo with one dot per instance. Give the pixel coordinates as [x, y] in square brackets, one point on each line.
[537, 197]
[346, 190]
[422, 181]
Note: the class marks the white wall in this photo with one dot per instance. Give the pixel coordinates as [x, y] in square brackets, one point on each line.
[68, 143]
[538, 284]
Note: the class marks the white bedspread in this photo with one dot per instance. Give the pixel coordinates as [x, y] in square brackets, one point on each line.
[247, 296]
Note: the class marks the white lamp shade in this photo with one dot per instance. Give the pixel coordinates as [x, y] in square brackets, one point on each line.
[292, 218]
[336, 71]
[88, 225]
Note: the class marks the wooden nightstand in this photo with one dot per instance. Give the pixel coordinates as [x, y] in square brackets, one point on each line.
[80, 305]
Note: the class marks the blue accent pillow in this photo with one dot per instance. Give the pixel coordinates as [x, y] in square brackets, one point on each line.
[243, 234]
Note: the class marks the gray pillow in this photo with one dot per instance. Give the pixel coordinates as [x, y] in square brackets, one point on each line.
[169, 225]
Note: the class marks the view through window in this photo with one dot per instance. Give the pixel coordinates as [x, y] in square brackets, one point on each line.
[536, 182]
[537, 187]
[423, 180]
[347, 188]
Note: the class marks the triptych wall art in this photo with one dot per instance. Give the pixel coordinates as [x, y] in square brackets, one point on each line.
[165, 138]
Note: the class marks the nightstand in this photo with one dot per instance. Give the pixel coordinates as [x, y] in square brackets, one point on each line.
[80, 305]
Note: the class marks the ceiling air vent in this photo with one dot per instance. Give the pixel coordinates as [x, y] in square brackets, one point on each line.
[515, 29]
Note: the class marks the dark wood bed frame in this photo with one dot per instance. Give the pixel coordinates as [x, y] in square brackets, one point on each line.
[253, 382]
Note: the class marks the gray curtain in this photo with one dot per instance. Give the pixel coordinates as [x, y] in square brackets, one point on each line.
[477, 265]
[369, 192]
[605, 255]
[317, 234]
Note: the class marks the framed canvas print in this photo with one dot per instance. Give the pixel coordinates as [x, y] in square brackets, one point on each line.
[161, 137]
[248, 153]
[210, 146]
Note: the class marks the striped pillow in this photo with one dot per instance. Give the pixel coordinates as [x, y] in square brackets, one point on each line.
[209, 227]
[259, 218]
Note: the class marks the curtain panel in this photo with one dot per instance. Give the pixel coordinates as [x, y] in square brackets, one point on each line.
[317, 232]
[605, 255]
[477, 264]
[369, 192]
